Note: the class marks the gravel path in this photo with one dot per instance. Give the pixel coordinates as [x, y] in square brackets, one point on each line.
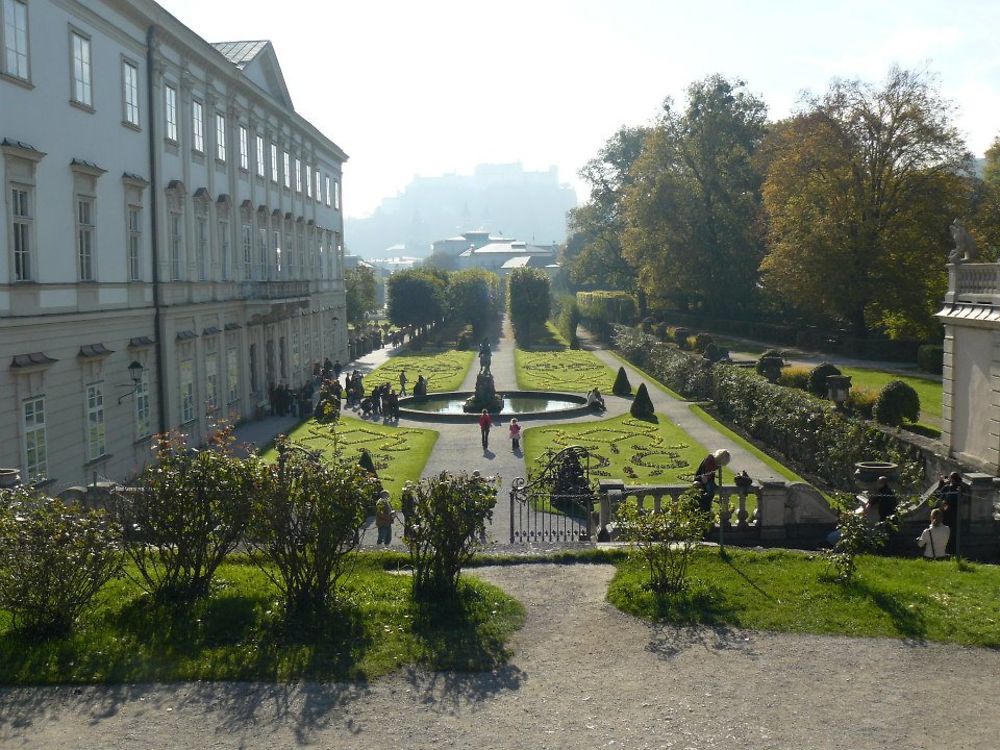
[583, 676]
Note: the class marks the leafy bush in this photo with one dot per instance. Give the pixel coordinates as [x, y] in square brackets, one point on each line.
[665, 541]
[308, 514]
[702, 341]
[930, 358]
[855, 535]
[681, 335]
[603, 309]
[464, 339]
[184, 513]
[621, 386]
[795, 377]
[818, 376]
[642, 404]
[861, 401]
[54, 558]
[529, 301]
[450, 513]
[808, 339]
[568, 320]
[661, 331]
[897, 402]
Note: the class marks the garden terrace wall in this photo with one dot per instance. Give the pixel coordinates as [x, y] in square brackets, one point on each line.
[807, 431]
[833, 342]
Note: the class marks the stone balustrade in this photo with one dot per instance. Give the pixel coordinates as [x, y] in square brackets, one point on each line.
[974, 283]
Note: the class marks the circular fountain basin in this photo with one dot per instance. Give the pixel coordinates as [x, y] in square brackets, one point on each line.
[448, 407]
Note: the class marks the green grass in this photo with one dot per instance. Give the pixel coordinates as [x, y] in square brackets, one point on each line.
[929, 391]
[400, 453]
[794, 592]
[566, 370]
[445, 370]
[626, 448]
[238, 633]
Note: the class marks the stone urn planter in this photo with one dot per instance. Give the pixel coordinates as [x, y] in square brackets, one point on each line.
[866, 473]
[9, 478]
[770, 367]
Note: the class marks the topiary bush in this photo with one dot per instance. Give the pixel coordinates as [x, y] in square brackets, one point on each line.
[621, 386]
[818, 376]
[795, 377]
[861, 401]
[930, 358]
[642, 404]
[897, 402]
[54, 558]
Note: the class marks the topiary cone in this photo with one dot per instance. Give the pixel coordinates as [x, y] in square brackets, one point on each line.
[642, 405]
[621, 387]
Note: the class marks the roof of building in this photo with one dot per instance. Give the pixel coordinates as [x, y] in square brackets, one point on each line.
[510, 246]
[521, 261]
[241, 53]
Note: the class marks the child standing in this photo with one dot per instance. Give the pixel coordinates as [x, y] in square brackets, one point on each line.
[384, 516]
[515, 435]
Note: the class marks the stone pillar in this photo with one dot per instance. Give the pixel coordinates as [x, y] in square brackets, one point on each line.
[771, 504]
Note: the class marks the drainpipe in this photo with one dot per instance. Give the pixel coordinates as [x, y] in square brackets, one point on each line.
[154, 186]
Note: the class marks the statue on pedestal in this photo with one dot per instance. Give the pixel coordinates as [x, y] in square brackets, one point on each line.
[965, 250]
[485, 396]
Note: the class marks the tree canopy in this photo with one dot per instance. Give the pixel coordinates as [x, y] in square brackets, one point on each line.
[529, 300]
[416, 297]
[360, 285]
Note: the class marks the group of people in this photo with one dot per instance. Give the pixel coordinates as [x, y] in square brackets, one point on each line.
[595, 400]
[284, 400]
[383, 402]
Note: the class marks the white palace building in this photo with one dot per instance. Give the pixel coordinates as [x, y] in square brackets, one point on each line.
[171, 235]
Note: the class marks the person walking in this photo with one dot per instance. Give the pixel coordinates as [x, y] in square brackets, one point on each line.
[402, 382]
[384, 516]
[515, 435]
[934, 539]
[485, 422]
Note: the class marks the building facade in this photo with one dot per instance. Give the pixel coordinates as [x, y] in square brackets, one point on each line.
[163, 205]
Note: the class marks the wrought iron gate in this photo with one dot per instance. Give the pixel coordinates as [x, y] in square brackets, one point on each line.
[542, 511]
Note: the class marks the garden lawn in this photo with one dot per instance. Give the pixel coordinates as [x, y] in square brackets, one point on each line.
[637, 451]
[445, 370]
[566, 370]
[238, 633]
[794, 592]
[400, 453]
[928, 390]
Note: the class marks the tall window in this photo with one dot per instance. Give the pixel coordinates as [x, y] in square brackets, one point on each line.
[260, 156]
[201, 245]
[15, 38]
[227, 269]
[85, 237]
[171, 112]
[187, 390]
[244, 148]
[318, 198]
[309, 176]
[198, 126]
[220, 136]
[288, 170]
[262, 252]
[298, 176]
[96, 443]
[82, 91]
[143, 420]
[176, 246]
[134, 243]
[247, 251]
[21, 210]
[233, 374]
[336, 194]
[274, 163]
[276, 247]
[130, 92]
[211, 382]
[35, 445]
[327, 191]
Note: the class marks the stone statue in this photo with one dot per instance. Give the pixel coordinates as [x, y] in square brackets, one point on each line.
[485, 358]
[965, 249]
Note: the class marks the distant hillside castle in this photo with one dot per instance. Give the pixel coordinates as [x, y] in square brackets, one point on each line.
[528, 205]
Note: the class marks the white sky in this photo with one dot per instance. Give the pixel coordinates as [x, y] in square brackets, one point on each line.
[438, 86]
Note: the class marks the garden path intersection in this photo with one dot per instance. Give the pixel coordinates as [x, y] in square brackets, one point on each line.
[583, 675]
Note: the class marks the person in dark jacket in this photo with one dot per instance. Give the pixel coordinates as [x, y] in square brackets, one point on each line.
[949, 497]
[884, 499]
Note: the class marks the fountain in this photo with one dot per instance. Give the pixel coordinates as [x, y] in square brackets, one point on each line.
[485, 396]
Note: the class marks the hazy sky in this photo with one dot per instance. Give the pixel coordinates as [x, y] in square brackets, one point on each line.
[438, 86]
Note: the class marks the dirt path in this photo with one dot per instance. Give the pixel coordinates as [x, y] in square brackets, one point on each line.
[583, 676]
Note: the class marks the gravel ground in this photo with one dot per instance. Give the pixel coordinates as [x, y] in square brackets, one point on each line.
[583, 676]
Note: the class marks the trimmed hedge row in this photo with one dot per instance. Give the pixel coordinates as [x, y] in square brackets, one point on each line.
[808, 432]
[603, 310]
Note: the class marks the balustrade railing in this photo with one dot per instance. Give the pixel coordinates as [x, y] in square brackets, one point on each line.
[733, 507]
[976, 282]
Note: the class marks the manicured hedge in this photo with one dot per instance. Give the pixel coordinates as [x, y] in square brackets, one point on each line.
[807, 431]
[601, 311]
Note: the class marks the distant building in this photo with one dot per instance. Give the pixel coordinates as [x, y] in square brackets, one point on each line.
[503, 255]
[163, 206]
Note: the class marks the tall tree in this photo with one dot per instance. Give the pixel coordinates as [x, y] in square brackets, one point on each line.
[984, 211]
[416, 297]
[474, 298]
[693, 207]
[360, 285]
[530, 302]
[593, 251]
[860, 190]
